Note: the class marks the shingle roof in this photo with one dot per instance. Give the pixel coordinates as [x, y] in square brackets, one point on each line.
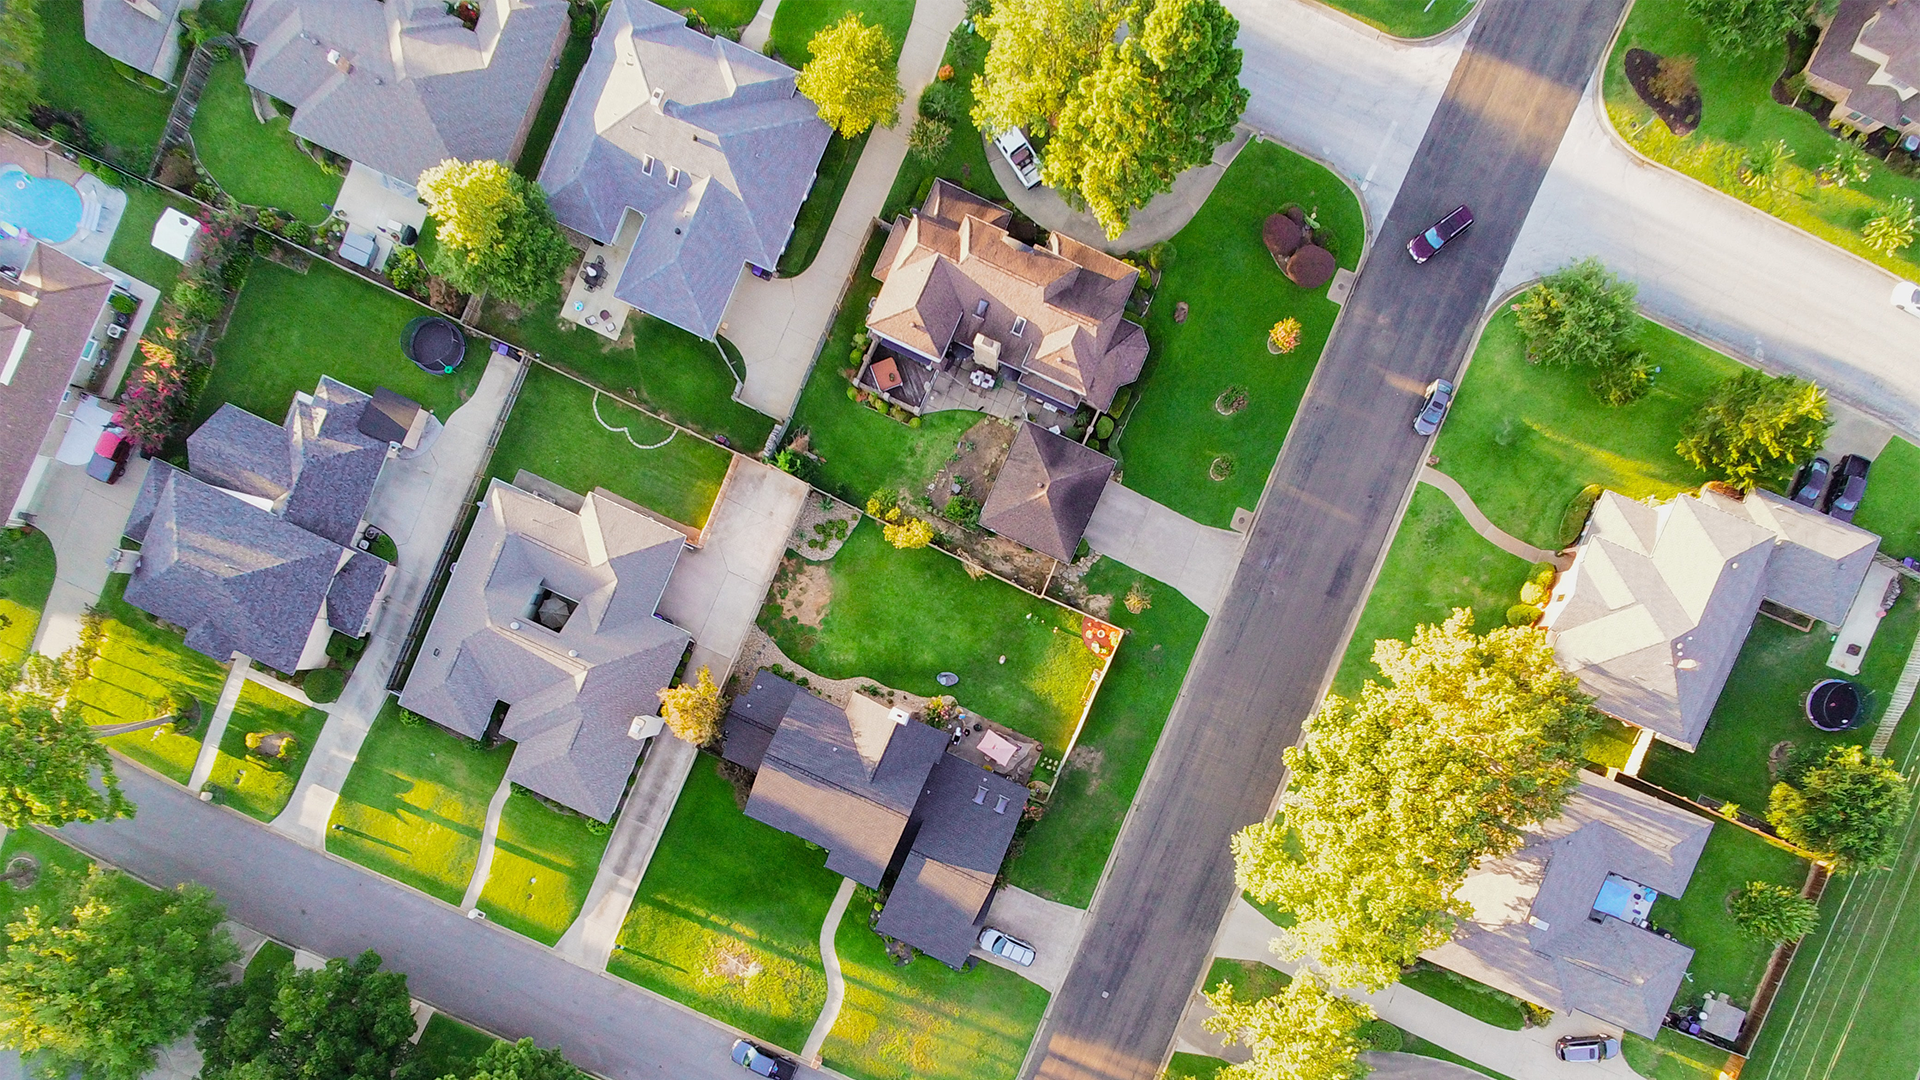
[728, 122]
[753, 718]
[412, 86]
[352, 593]
[1045, 493]
[56, 301]
[574, 692]
[960, 832]
[1895, 32]
[143, 34]
[1835, 61]
[1534, 931]
[389, 417]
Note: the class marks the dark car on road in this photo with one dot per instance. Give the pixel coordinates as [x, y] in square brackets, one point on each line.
[1586, 1047]
[110, 453]
[758, 1061]
[1423, 246]
[1810, 485]
[1434, 409]
[1848, 488]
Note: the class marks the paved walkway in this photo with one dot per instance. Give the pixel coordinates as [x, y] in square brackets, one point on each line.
[836, 983]
[1196, 559]
[417, 503]
[716, 591]
[778, 325]
[217, 724]
[754, 35]
[83, 518]
[1488, 531]
[489, 835]
[1053, 929]
[1165, 215]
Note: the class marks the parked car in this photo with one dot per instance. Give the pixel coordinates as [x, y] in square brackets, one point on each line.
[1848, 488]
[110, 453]
[760, 1062]
[1434, 409]
[1810, 485]
[1906, 296]
[1586, 1047]
[1007, 948]
[1019, 153]
[1423, 246]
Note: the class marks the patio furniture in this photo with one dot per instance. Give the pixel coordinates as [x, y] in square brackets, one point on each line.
[997, 749]
[594, 274]
[357, 248]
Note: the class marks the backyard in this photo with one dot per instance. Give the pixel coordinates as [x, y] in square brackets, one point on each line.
[544, 860]
[581, 439]
[1725, 960]
[124, 116]
[139, 664]
[1892, 504]
[902, 617]
[1213, 405]
[258, 786]
[258, 164]
[1407, 18]
[407, 812]
[735, 937]
[132, 249]
[26, 580]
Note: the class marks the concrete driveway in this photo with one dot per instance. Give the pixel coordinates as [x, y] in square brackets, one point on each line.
[1052, 929]
[84, 519]
[716, 590]
[1196, 559]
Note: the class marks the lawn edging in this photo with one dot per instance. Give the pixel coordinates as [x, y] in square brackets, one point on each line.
[1395, 40]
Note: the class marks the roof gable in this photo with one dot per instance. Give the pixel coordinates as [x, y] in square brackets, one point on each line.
[1046, 491]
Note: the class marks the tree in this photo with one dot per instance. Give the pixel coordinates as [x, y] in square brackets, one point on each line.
[854, 76]
[495, 233]
[1302, 1033]
[1772, 913]
[1673, 80]
[1891, 229]
[110, 971]
[47, 761]
[343, 1022]
[1397, 795]
[928, 139]
[1754, 428]
[20, 36]
[909, 534]
[1744, 26]
[1037, 53]
[522, 1061]
[1849, 164]
[694, 710]
[1846, 807]
[1578, 316]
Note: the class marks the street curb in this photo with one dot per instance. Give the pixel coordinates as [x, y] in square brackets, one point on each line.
[1395, 40]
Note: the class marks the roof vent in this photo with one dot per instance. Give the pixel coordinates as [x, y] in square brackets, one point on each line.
[514, 625]
[1000, 806]
[573, 653]
[1538, 923]
[980, 797]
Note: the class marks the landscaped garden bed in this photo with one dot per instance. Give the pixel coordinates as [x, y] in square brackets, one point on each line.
[964, 159]
[140, 665]
[263, 751]
[258, 164]
[544, 861]
[26, 580]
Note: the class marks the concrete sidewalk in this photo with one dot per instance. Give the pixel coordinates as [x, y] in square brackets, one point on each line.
[836, 983]
[1196, 559]
[1488, 531]
[754, 35]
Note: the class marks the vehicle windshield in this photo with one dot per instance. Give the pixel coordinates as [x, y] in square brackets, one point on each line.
[1433, 237]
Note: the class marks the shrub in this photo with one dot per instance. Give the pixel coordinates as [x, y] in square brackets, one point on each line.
[1575, 517]
[914, 533]
[1533, 593]
[405, 271]
[1625, 380]
[122, 303]
[1382, 1037]
[884, 503]
[961, 510]
[1773, 913]
[262, 243]
[945, 101]
[298, 232]
[1120, 399]
[198, 299]
[1522, 615]
[1849, 164]
[1543, 574]
[1285, 335]
[928, 139]
[1103, 427]
[324, 685]
[1890, 230]
[1672, 81]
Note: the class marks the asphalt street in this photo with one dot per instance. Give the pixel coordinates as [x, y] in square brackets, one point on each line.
[1324, 521]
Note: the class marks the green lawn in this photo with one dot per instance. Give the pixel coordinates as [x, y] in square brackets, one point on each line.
[965, 159]
[796, 21]
[1194, 1067]
[1062, 857]
[1235, 292]
[1672, 1056]
[125, 116]
[1760, 708]
[446, 1048]
[267, 961]
[288, 329]
[573, 57]
[132, 249]
[138, 663]
[1892, 505]
[1407, 18]
[54, 857]
[256, 786]
[258, 164]
[902, 617]
[1476, 999]
[726, 17]
[926, 1021]
[408, 812]
[1511, 411]
[26, 580]
[1724, 959]
[727, 919]
[559, 429]
[543, 863]
[667, 369]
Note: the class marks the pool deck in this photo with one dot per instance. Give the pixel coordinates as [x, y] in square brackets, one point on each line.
[88, 247]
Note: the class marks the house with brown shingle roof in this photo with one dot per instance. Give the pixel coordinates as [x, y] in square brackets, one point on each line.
[1045, 493]
[1868, 62]
[50, 309]
[960, 291]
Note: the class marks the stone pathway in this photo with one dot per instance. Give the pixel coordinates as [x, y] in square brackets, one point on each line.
[217, 724]
[1167, 546]
[488, 835]
[836, 983]
[754, 35]
[1488, 531]
[1163, 216]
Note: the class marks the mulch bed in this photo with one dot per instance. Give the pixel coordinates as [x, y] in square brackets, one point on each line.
[1680, 119]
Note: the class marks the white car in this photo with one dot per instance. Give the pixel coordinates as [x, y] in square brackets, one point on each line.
[1906, 296]
[1019, 153]
[1006, 948]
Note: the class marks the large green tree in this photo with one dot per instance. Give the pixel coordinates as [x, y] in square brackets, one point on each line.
[1755, 428]
[1847, 807]
[48, 756]
[1302, 1033]
[20, 36]
[521, 1061]
[1038, 51]
[1771, 912]
[1395, 796]
[113, 969]
[853, 77]
[1746, 26]
[1578, 316]
[345, 1021]
[495, 232]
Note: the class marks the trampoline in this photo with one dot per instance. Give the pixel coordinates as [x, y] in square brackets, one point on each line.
[434, 343]
[1834, 705]
[42, 208]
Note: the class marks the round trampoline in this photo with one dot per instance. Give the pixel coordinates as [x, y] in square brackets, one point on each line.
[1834, 705]
[435, 343]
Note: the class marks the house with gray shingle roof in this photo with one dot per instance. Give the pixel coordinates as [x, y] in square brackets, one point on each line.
[1045, 493]
[402, 85]
[955, 843]
[551, 611]
[1868, 62]
[48, 315]
[142, 34]
[708, 143]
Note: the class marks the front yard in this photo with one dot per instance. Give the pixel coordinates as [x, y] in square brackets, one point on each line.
[964, 161]
[126, 117]
[139, 664]
[54, 857]
[26, 580]
[544, 860]
[257, 786]
[1211, 392]
[1407, 18]
[258, 164]
[1892, 505]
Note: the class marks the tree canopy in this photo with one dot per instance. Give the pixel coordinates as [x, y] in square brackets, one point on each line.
[20, 38]
[1772, 913]
[495, 232]
[1302, 1033]
[1038, 51]
[113, 969]
[1745, 26]
[854, 76]
[694, 709]
[345, 1021]
[1755, 428]
[1578, 316]
[1847, 807]
[48, 755]
[1397, 795]
[521, 1061]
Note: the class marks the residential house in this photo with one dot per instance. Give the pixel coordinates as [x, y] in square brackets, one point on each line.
[1045, 492]
[142, 34]
[548, 635]
[686, 157]
[1562, 922]
[257, 546]
[1654, 609]
[1868, 63]
[399, 86]
[50, 309]
[957, 839]
[961, 295]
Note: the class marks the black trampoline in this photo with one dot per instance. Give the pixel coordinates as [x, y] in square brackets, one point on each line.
[435, 343]
[1834, 705]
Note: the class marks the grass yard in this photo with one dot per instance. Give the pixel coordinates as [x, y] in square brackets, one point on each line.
[446, 1048]
[725, 17]
[132, 249]
[902, 617]
[267, 961]
[126, 117]
[926, 1021]
[258, 164]
[668, 370]
[1724, 959]
[1062, 857]
[1673, 1056]
[411, 814]
[256, 786]
[559, 429]
[26, 580]
[55, 859]
[288, 329]
[566, 71]
[1407, 18]
[543, 864]
[1511, 411]
[727, 919]
[1760, 708]
[830, 180]
[1892, 505]
[138, 663]
[1194, 1067]
[1476, 999]
[795, 22]
[965, 159]
[1221, 268]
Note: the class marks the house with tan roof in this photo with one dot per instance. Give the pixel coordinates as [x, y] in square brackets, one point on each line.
[1868, 63]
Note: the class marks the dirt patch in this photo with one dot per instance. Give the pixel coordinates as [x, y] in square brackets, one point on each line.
[1681, 118]
[1068, 587]
[1230, 401]
[1089, 760]
[975, 461]
[731, 962]
[825, 523]
[22, 872]
[804, 591]
[1778, 757]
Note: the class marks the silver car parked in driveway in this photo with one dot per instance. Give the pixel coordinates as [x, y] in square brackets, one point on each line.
[1007, 948]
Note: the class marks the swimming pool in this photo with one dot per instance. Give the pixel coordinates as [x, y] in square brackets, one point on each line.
[43, 208]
